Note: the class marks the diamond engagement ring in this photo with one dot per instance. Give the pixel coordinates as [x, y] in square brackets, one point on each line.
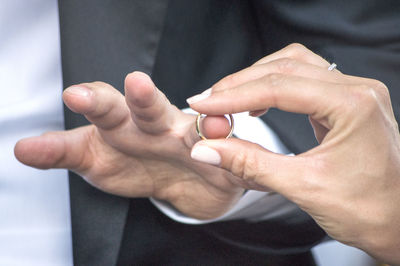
[332, 67]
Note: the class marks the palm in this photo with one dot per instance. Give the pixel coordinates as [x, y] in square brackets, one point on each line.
[162, 169]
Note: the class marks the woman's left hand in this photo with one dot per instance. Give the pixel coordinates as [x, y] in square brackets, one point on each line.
[350, 183]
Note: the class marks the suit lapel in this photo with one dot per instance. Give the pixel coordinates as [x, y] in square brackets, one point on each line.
[103, 40]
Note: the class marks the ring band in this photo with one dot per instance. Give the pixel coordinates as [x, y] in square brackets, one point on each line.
[332, 67]
[201, 134]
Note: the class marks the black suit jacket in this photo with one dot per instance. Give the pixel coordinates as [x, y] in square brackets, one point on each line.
[186, 46]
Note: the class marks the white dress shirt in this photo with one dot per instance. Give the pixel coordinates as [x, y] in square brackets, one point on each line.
[35, 227]
[35, 222]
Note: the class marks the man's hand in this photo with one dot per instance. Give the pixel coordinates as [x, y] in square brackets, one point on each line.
[138, 146]
[350, 183]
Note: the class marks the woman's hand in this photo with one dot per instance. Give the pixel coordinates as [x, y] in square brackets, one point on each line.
[138, 146]
[350, 183]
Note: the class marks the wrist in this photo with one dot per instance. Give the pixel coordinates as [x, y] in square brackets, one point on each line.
[383, 244]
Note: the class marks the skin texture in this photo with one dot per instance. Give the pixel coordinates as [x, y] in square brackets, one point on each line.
[350, 183]
[138, 146]
[215, 127]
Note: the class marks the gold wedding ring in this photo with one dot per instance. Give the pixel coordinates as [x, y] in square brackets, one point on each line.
[201, 134]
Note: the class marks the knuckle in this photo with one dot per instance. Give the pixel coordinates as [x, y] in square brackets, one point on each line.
[286, 65]
[381, 88]
[227, 82]
[367, 95]
[238, 163]
[296, 49]
[99, 85]
[274, 79]
[364, 99]
[246, 166]
[52, 158]
[273, 82]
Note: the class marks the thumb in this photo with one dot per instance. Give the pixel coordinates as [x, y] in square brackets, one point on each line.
[61, 149]
[257, 167]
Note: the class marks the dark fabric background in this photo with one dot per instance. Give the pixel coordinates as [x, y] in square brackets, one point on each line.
[186, 46]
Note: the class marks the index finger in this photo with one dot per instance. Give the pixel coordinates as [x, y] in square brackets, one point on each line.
[296, 51]
[285, 92]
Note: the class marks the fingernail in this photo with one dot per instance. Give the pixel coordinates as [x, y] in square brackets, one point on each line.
[199, 97]
[207, 91]
[79, 91]
[257, 113]
[206, 155]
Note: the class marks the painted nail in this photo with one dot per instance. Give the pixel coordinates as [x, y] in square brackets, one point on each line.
[199, 97]
[78, 91]
[206, 155]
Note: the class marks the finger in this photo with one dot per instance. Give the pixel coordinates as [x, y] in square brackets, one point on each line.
[258, 167]
[215, 127]
[288, 93]
[212, 127]
[281, 66]
[296, 51]
[150, 109]
[101, 104]
[63, 149]
[294, 59]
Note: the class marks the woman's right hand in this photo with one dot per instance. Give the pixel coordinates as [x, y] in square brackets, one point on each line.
[350, 183]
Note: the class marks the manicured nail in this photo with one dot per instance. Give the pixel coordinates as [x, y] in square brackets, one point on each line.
[78, 91]
[207, 91]
[206, 155]
[199, 97]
